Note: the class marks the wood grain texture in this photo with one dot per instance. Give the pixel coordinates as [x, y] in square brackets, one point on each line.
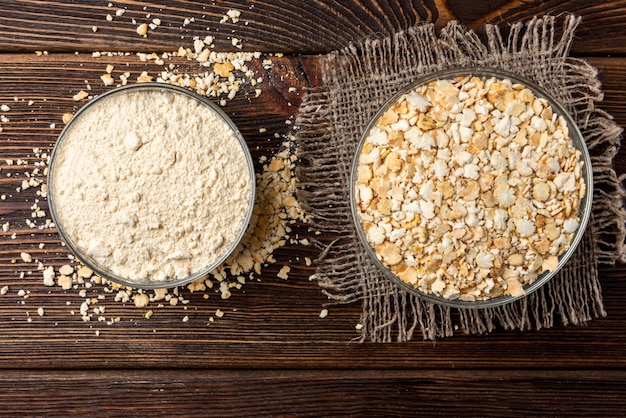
[312, 26]
[326, 393]
[270, 354]
[272, 323]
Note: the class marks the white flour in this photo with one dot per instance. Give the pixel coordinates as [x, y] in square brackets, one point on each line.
[153, 185]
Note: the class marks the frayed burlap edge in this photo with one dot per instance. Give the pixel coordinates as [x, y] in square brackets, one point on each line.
[359, 78]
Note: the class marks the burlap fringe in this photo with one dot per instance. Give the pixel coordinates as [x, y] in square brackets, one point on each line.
[359, 78]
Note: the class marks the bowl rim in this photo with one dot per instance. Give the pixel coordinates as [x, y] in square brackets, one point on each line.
[575, 135]
[101, 270]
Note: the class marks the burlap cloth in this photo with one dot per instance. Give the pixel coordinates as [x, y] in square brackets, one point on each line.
[358, 79]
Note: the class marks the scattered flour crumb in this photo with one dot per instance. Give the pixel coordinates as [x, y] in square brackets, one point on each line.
[283, 273]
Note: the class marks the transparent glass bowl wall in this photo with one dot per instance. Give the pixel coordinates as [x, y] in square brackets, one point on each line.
[102, 270]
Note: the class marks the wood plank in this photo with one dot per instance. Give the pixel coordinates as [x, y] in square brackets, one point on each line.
[269, 324]
[271, 354]
[241, 393]
[314, 26]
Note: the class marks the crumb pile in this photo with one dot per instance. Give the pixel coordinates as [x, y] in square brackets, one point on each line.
[470, 188]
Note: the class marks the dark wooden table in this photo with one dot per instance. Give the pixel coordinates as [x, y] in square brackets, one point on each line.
[271, 353]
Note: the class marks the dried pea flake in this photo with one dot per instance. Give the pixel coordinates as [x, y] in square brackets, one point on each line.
[469, 188]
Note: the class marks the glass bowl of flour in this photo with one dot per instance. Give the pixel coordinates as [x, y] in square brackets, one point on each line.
[151, 185]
